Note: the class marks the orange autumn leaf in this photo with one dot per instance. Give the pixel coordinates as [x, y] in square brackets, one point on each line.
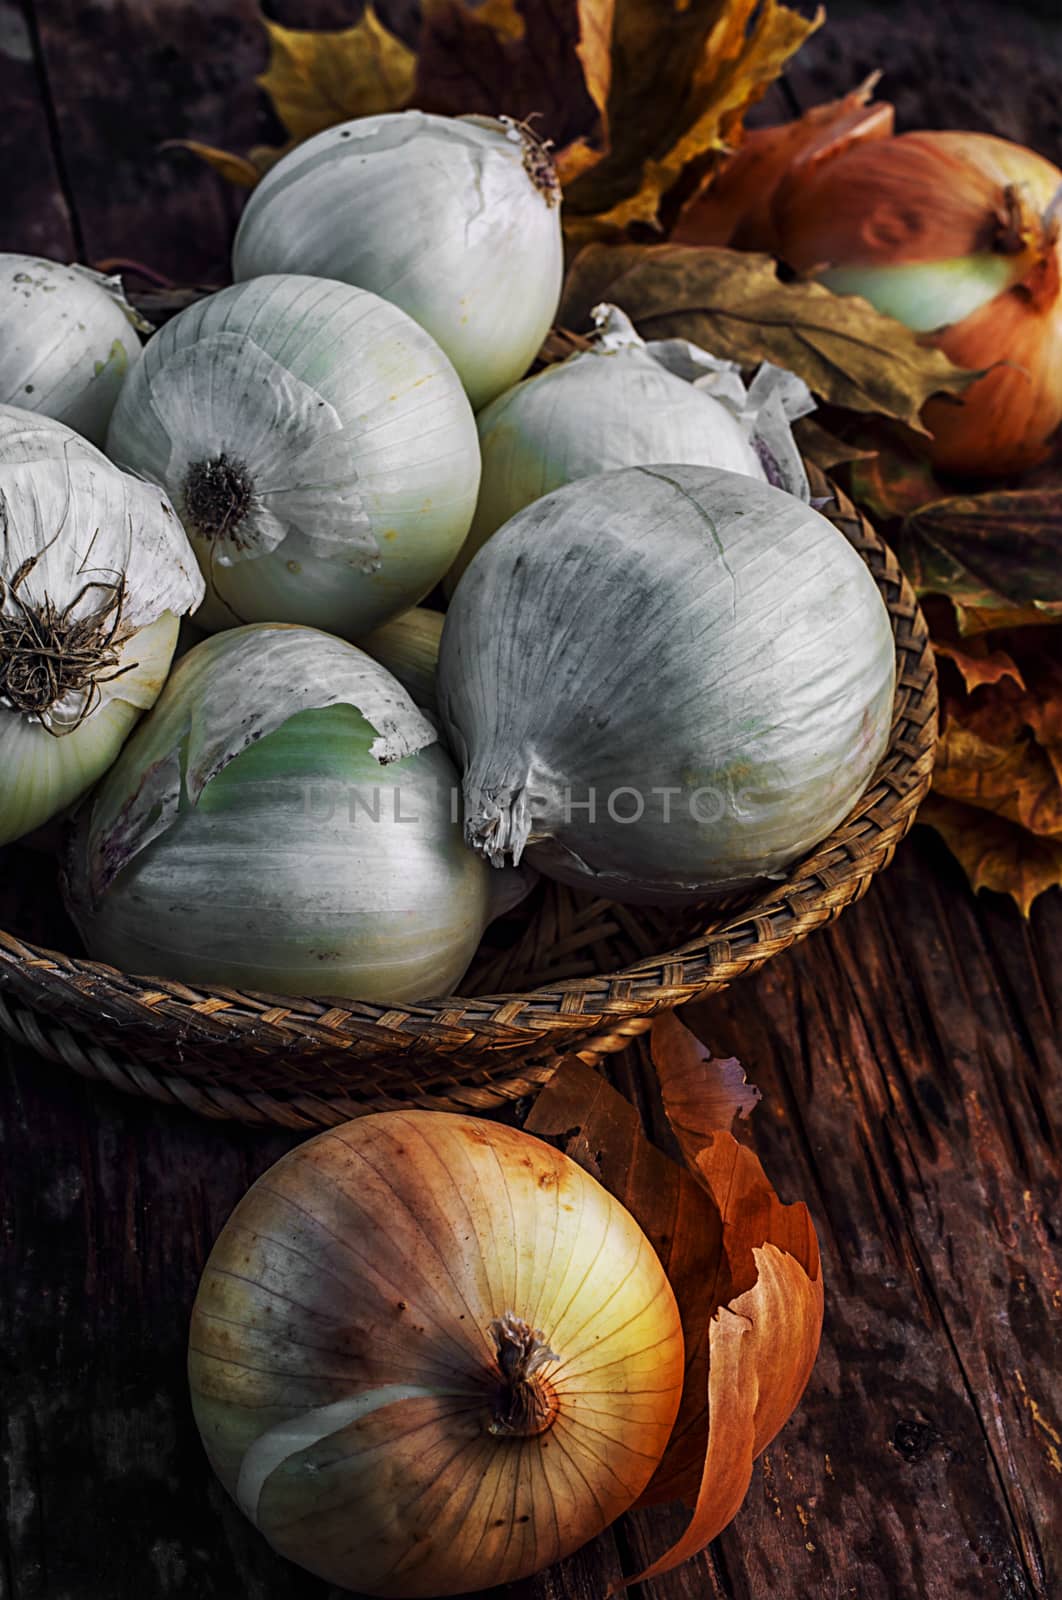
[745, 1268]
[238, 170]
[702, 1094]
[978, 663]
[734, 207]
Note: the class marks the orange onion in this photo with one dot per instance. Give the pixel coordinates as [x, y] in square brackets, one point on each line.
[734, 208]
[957, 236]
[430, 1354]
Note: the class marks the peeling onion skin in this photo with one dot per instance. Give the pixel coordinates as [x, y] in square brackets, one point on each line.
[67, 340]
[437, 214]
[317, 445]
[594, 413]
[283, 823]
[705, 643]
[345, 1381]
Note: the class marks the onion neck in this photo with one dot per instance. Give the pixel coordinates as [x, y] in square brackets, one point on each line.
[524, 1402]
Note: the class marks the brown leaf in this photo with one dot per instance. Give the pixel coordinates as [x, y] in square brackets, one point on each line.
[317, 79]
[745, 1270]
[979, 664]
[996, 854]
[1015, 780]
[734, 305]
[240, 170]
[679, 86]
[734, 207]
[702, 1094]
[825, 449]
[997, 784]
[998, 549]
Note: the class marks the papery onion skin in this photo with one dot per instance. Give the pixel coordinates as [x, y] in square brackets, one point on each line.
[67, 340]
[317, 445]
[701, 658]
[262, 832]
[928, 221]
[595, 412]
[366, 1267]
[80, 540]
[408, 646]
[438, 214]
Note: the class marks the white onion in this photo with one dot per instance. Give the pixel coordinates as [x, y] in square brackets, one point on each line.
[95, 572]
[625, 403]
[67, 339]
[408, 646]
[317, 445]
[456, 220]
[701, 658]
[284, 821]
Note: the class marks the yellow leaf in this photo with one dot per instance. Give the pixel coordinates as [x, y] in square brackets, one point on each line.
[503, 17]
[596, 21]
[316, 79]
[678, 89]
[236, 169]
[994, 853]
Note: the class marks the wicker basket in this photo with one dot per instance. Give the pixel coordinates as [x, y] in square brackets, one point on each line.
[583, 974]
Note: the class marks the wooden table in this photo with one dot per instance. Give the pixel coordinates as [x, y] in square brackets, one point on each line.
[908, 1056]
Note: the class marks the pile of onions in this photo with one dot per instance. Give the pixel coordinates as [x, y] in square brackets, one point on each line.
[455, 219]
[625, 403]
[664, 681]
[431, 1354]
[283, 821]
[317, 445]
[67, 339]
[95, 573]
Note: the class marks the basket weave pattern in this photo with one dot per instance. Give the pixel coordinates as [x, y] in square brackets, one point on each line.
[585, 975]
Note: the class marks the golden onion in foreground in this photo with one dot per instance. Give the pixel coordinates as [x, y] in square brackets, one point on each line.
[430, 1354]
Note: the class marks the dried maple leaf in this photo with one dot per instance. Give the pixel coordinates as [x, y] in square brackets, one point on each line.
[745, 1268]
[997, 783]
[316, 79]
[734, 304]
[680, 85]
[996, 854]
[979, 664]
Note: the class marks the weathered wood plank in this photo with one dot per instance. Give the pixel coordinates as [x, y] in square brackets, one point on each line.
[903, 1100]
[35, 217]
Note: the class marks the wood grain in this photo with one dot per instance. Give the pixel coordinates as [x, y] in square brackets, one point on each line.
[911, 1085]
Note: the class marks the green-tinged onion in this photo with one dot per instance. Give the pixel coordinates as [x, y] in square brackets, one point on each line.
[317, 445]
[625, 403]
[664, 681]
[95, 572]
[284, 821]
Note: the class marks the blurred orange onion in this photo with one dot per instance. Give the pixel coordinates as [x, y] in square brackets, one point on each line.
[954, 234]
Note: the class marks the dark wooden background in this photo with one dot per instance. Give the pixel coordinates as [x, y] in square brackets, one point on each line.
[908, 1056]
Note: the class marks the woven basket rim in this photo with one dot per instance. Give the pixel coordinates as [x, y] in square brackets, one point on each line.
[477, 1041]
